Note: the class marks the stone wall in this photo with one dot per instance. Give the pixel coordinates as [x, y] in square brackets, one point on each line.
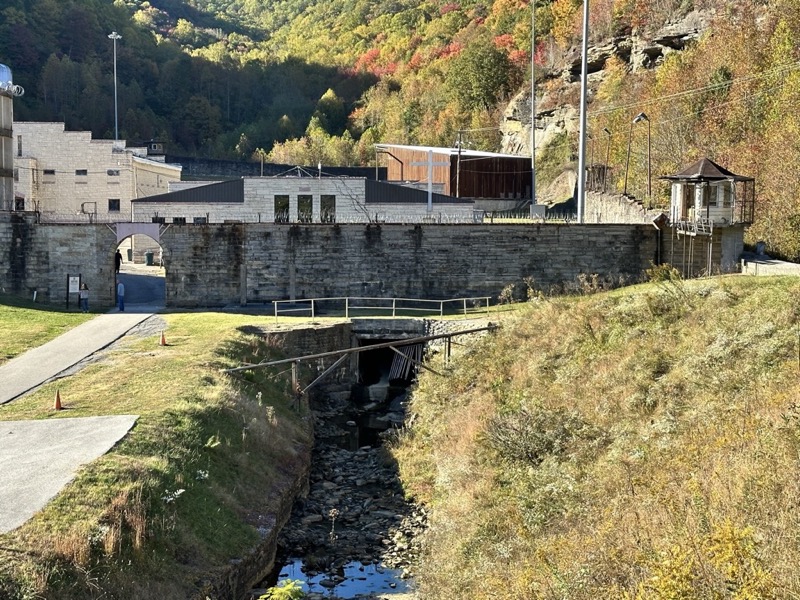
[215, 265]
[616, 208]
[39, 258]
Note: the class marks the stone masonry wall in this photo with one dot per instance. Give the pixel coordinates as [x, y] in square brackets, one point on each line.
[39, 258]
[256, 263]
[215, 265]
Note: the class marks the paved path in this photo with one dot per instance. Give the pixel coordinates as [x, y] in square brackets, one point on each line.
[38, 458]
[37, 366]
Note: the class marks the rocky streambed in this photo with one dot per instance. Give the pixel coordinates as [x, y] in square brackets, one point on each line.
[355, 535]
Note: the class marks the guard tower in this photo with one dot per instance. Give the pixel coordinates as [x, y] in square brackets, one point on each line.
[710, 205]
[7, 92]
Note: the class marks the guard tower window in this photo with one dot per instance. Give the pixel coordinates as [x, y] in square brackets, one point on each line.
[179, 220]
[81, 172]
[281, 209]
[327, 208]
[161, 220]
[304, 208]
[113, 172]
[16, 174]
[727, 195]
[19, 145]
[113, 205]
[200, 220]
[19, 204]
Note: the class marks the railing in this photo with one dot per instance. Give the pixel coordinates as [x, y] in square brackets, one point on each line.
[395, 307]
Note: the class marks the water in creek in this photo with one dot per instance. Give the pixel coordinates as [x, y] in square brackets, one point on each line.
[356, 580]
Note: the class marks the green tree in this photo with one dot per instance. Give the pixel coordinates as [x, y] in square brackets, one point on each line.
[331, 113]
[481, 75]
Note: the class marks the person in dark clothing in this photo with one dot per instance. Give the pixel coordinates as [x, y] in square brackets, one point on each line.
[117, 261]
[83, 296]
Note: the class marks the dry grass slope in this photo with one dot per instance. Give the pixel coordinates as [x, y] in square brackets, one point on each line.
[639, 444]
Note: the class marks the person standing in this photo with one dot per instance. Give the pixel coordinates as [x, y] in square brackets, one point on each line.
[121, 296]
[117, 261]
[83, 297]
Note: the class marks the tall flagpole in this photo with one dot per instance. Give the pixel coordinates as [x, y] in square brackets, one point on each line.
[582, 145]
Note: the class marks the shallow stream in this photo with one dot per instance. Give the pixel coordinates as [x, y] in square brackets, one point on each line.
[353, 536]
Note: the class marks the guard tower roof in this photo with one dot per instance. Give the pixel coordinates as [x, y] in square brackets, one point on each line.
[706, 170]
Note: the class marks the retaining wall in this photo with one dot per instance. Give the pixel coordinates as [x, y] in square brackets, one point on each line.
[237, 263]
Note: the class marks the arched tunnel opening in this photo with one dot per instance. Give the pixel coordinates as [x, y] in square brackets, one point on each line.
[380, 393]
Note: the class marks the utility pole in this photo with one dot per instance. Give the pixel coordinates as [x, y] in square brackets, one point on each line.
[584, 86]
[458, 165]
[533, 103]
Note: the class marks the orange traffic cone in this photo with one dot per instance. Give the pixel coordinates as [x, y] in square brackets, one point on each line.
[57, 405]
[163, 339]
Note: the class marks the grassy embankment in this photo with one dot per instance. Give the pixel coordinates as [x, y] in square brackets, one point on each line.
[24, 325]
[181, 494]
[640, 443]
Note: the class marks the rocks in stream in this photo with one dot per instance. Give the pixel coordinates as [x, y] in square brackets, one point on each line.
[355, 510]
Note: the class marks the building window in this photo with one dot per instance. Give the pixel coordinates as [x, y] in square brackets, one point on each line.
[327, 208]
[19, 145]
[281, 209]
[200, 220]
[161, 220]
[113, 172]
[16, 174]
[81, 172]
[19, 204]
[113, 205]
[179, 220]
[304, 208]
[727, 195]
[49, 176]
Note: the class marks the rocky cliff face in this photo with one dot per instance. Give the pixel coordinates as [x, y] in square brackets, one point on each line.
[557, 108]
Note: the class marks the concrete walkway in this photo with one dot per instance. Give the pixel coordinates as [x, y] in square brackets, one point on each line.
[39, 365]
[38, 458]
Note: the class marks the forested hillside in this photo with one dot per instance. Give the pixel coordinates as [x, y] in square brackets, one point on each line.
[305, 81]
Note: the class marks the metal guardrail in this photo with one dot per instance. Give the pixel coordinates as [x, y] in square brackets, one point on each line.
[381, 306]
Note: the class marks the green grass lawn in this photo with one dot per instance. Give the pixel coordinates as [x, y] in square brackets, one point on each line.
[179, 495]
[25, 325]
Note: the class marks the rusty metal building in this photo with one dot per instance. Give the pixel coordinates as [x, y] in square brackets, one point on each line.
[459, 172]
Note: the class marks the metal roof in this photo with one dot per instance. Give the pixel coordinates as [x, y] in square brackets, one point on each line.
[706, 170]
[224, 192]
[452, 151]
[379, 192]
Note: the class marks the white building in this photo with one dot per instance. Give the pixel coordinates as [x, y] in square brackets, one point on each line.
[67, 176]
[302, 200]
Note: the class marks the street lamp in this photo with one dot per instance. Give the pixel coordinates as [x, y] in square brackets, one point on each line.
[115, 36]
[637, 119]
[608, 154]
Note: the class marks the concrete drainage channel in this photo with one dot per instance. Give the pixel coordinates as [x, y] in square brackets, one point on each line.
[354, 536]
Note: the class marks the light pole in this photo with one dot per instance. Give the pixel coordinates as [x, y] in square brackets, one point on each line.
[608, 154]
[115, 36]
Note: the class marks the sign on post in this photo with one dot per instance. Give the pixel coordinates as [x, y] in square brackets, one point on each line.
[73, 285]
